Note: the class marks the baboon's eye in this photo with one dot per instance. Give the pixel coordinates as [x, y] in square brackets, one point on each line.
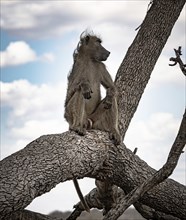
[87, 39]
[99, 41]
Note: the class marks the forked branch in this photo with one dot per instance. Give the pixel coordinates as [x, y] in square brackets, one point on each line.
[123, 202]
[157, 178]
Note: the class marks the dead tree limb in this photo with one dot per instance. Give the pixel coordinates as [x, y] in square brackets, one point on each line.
[178, 60]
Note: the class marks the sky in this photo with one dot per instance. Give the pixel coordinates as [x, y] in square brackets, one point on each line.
[37, 42]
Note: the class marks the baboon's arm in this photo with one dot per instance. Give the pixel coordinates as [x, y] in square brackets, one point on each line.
[108, 83]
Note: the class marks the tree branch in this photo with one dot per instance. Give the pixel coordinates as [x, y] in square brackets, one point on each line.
[177, 59]
[157, 178]
[29, 215]
[135, 70]
[150, 213]
[52, 159]
[47, 161]
[124, 201]
[144, 210]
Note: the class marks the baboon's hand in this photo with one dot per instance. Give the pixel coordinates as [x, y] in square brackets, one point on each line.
[87, 93]
[115, 137]
[78, 129]
[107, 102]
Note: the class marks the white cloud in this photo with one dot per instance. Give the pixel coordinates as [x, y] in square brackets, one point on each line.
[26, 99]
[53, 18]
[33, 111]
[153, 137]
[48, 57]
[46, 19]
[20, 52]
[17, 53]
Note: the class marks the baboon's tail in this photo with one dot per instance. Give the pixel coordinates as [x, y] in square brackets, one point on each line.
[81, 197]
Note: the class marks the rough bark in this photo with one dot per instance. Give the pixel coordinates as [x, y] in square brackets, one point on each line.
[52, 159]
[141, 57]
[29, 215]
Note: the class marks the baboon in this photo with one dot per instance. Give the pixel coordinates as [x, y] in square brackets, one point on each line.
[84, 108]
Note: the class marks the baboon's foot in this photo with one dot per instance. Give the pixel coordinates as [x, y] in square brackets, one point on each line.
[115, 137]
[79, 130]
[107, 102]
[89, 124]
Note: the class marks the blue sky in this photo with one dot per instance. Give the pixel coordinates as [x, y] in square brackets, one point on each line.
[37, 43]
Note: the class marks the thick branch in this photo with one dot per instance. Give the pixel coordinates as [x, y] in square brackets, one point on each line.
[29, 215]
[150, 213]
[138, 64]
[52, 159]
[47, 161]
[94, 202]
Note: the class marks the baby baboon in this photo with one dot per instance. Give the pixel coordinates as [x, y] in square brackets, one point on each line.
[83, 106]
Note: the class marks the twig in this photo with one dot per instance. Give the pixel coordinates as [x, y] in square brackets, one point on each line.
[93, 202]
[177, 59]
[75, 214]
[148, 8]
[135, 150]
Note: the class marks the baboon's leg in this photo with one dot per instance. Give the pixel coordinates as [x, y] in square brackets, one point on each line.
[114, 131]
[107, 194]
[75, 113]
[107, 120]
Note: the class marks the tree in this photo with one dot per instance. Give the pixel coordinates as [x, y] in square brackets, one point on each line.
[52, 159]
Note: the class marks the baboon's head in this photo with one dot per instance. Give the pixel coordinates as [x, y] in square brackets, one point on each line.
[90, 45]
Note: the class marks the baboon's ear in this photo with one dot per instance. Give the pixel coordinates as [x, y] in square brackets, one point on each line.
[87, 38]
